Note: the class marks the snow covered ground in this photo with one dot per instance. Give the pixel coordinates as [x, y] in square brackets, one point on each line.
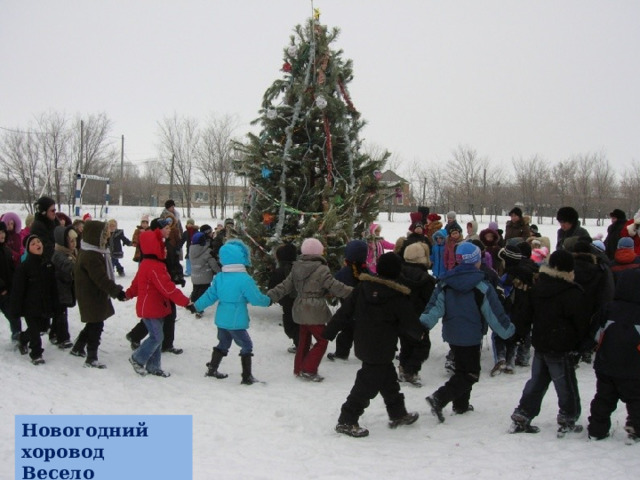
[284, 429]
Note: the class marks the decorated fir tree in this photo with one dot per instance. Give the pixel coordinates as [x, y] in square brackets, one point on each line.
[307, 174]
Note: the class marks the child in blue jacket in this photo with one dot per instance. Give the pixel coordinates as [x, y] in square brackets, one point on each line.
[437, 253]
[234, 289]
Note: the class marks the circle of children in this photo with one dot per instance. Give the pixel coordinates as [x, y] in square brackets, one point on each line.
[580, 299]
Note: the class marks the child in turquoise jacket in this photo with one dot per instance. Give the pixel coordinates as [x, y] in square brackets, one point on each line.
[234, 288]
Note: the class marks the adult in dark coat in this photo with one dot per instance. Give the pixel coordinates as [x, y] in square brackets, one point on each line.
[379, 311]
[557, 315]
[44, 223]
[617, 362]
[518, 226]
[569, 226]
[618, 221]
[94, 287]
[34, 297]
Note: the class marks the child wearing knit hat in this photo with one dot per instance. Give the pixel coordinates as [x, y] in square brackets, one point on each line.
[311, 280]
[466, 303]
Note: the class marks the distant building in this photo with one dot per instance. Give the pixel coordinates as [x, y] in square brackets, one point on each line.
[200, 195]
[395, 192]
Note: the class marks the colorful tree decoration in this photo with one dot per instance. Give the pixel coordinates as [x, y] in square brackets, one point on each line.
[305, 166]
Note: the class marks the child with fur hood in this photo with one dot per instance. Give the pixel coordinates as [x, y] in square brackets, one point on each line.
[311, 280]
[557, 315]
[433, 224]
[472, 231]
[233, 288]
[491, 240]
[379, 311]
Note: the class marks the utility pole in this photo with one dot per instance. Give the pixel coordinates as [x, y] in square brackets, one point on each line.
[121, 169]
[173, 158]
[81, 146]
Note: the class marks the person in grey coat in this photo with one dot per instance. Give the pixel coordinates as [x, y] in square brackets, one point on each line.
[203, 264]
[311, 280]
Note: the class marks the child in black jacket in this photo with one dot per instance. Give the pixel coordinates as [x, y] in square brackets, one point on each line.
[617, 362]
[379, 310]
[415, 275]
[286, 255]
[34, 297]
[116, 240]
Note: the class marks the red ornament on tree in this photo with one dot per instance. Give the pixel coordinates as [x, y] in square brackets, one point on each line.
[286, 67]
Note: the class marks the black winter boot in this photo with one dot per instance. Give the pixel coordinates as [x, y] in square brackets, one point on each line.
[247, 378]
[216, 358]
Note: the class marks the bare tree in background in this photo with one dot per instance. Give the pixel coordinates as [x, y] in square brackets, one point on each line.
[531, 176]
[604, 185]
[54, 138]
[630, 187]
[151, 177]
[215, 161]
[179, 140]
[582, 181]
[100, 150]
[562, 177]
[21, 164]
[465, 174]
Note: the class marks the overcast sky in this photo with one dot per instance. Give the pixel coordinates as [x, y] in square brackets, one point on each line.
[510, 78]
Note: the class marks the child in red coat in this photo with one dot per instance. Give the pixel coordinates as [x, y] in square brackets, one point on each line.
[154, 289]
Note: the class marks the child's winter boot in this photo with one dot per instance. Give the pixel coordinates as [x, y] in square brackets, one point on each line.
[247, 377]
[216, 358]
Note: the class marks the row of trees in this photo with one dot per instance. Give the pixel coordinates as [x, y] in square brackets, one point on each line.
[469, 183]
[45, 156]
